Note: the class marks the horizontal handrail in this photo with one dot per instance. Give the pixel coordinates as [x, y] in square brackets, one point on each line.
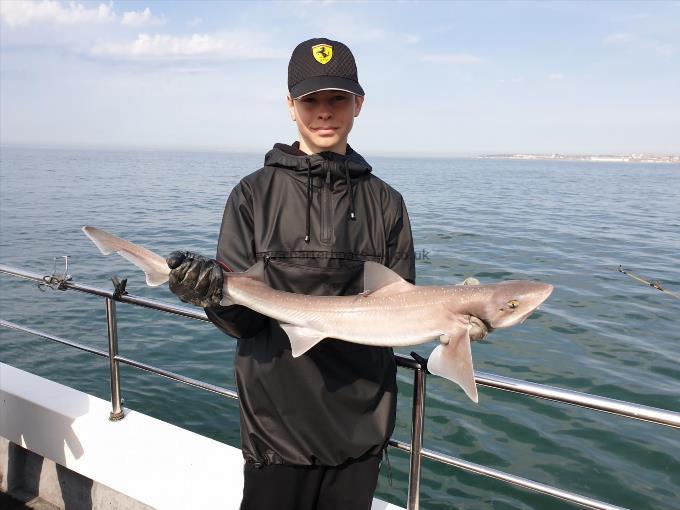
[400, 445]
[125, 298]
[54, 338]
[586, 400]
[219, 390]
[507, 477]
[122, 359]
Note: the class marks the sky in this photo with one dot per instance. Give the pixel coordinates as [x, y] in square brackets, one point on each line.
[441, 78]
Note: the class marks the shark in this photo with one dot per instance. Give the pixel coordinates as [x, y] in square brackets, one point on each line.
[389, 312]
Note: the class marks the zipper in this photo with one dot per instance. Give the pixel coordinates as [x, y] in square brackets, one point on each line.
[326, 209]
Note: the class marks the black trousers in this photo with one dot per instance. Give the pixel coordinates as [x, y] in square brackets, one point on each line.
[349, 486]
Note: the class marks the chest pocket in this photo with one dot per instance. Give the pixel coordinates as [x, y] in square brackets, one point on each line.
[315, 276]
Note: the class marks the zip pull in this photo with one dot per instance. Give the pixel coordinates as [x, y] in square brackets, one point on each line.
[266, 260]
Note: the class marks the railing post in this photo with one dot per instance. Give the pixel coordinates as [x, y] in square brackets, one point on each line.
[111, 323]
[418, 416]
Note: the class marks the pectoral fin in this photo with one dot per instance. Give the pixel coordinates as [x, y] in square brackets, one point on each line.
[453, 360]
[301, 339]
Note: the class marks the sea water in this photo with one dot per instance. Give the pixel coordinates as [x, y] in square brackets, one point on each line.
[570, 224]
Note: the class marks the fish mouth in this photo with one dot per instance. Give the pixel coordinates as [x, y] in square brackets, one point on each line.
[486, 323]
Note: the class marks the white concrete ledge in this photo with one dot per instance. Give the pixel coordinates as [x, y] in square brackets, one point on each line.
[154, 462]
[151, 461]
[45, 485]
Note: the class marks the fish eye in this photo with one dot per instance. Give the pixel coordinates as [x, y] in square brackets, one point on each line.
[513, 303]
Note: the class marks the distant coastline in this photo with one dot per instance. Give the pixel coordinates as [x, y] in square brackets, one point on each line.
[393, 153]
[632, 158]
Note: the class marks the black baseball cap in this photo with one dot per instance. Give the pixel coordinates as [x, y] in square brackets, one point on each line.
[322, 64]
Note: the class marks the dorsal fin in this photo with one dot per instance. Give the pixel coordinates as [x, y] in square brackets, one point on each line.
[256, 271]
[377, 276]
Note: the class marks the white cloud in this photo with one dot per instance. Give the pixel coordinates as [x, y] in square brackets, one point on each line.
[555, 76]
[18, 13]
[665, 50]
[642, 43]
[168, 47]
[141, 18]
[448, 58]
[618, 38]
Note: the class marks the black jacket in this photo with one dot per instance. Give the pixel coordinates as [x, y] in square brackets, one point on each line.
[314, 220]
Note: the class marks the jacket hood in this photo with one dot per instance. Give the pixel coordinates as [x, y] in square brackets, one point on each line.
[317, 167]
[292, 158]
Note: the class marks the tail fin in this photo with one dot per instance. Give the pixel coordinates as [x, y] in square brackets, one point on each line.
[453, 360]
[153, 265]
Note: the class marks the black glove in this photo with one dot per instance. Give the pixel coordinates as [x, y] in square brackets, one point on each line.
[195, 279]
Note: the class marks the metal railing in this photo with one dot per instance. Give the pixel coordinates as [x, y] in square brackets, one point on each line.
[415, 448]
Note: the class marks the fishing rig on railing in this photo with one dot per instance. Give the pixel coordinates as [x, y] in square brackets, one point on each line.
[656, 284]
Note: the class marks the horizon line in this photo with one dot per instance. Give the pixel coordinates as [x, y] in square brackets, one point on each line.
[254, 151]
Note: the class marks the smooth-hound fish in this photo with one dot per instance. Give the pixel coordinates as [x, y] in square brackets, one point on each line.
[390, 312]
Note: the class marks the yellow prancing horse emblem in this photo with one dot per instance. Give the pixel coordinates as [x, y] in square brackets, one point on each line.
[323, 53]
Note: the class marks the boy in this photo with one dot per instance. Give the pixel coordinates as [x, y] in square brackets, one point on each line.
[312, 428]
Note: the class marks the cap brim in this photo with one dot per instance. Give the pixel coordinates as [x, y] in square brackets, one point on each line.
[317, 83]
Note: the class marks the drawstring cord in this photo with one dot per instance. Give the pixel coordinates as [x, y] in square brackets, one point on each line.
[310, 191]
[352, 216]
[309, 198]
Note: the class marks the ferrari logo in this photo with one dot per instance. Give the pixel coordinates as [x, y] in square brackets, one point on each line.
[323, 53]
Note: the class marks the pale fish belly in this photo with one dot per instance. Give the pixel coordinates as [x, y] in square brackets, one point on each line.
[393, 327]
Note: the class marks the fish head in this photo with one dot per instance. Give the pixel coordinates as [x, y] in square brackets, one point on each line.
[512, 302]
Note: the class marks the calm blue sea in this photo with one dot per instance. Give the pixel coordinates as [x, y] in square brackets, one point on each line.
[567, 223]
